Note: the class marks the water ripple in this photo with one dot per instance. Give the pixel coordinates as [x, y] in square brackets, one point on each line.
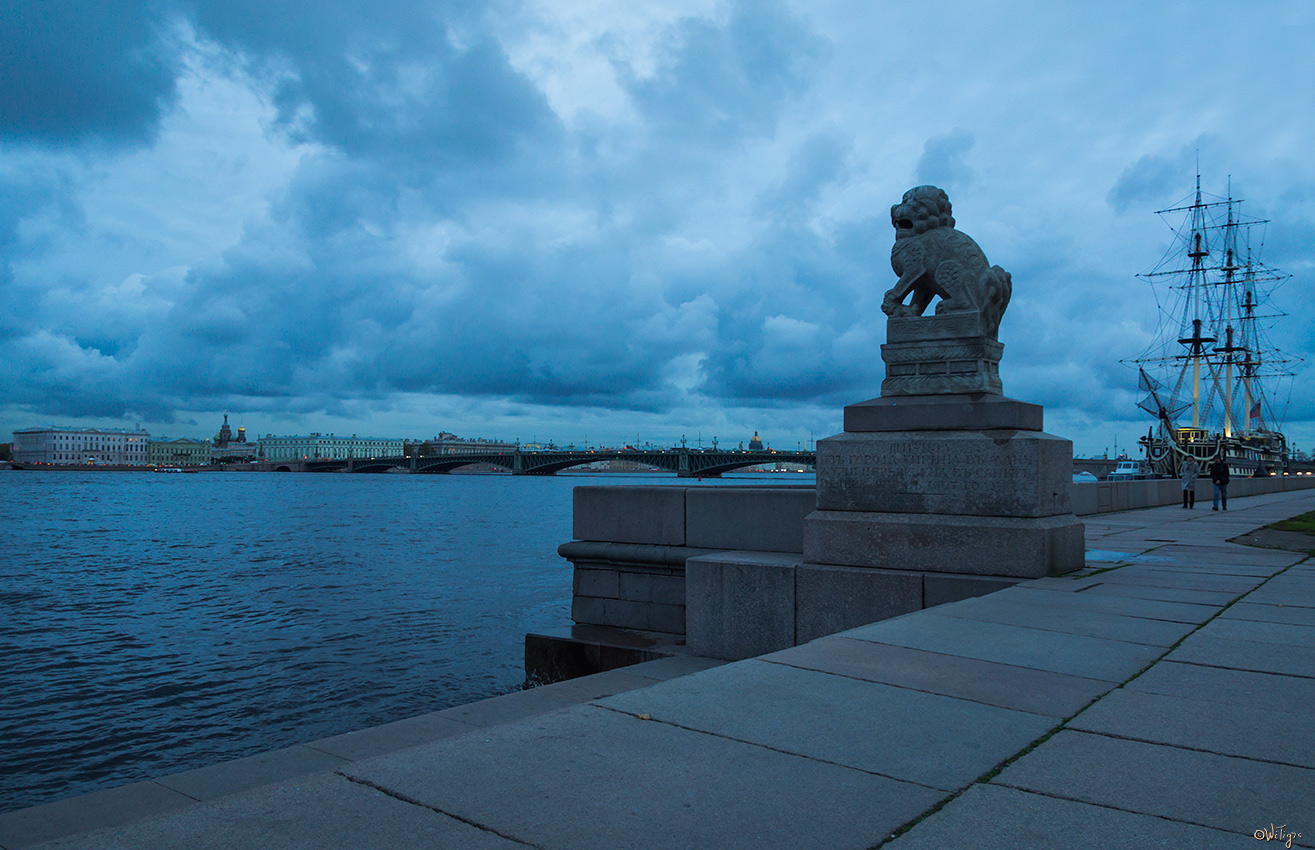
[158, 623]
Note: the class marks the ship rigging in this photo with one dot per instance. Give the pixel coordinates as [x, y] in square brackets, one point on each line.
[1211, 355]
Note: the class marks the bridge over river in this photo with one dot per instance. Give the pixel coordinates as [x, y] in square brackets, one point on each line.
[686, 463]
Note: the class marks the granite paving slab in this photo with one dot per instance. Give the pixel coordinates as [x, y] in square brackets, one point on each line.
[1298, 579]
[1257, 733]
[1076, 655]
[897, 732]
[1130, 606]
[320, 812]
[507, 708]
[1004, 685]
[1268, 613]
[1288, 634]
[1239, 688]
[588, 777]
[1226, 553]
[992, 817]
[1286, 590]
[390, 737]
[1261, 657]
[219, 780]
[1236, 579]
[1184, 579]
[1281, 595]
[111, 807]
[1050, 618]
[1246, 570]
[1071, 583]
[1163, 594]
[587, 688]
[1251, 571]
[1224, 792]
[672, 666]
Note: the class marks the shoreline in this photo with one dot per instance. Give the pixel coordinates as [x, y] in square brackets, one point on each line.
[1050, 719]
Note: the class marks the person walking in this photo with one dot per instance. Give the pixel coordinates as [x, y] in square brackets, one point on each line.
[1219, 476]
[1188, 472]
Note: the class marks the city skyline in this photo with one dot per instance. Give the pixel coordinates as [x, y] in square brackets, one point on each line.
[569, 221]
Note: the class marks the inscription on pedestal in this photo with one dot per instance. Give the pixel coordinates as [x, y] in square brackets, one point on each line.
[1023, 474]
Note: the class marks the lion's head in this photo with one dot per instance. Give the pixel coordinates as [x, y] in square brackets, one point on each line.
[923, 208]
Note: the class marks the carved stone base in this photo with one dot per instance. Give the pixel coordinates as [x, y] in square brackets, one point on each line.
[968, 365]
[976, 412]
[948, 353]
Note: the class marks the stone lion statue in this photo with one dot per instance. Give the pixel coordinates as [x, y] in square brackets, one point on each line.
[933, 259]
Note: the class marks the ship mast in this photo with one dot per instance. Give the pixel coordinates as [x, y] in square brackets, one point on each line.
[1198, 250]
[1229, 350]
[1210, 346]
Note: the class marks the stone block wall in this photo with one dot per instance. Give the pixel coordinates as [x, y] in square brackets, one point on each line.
[642, 596]
[744, 604]
[632, 544]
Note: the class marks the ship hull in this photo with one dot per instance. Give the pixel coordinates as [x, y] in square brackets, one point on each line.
[1256, 455]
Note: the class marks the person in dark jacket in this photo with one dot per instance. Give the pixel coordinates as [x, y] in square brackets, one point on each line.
[1219, 475]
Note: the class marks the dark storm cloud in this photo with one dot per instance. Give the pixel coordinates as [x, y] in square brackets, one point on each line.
[1157, 180]
[78, 71]
[820, 161]
[717, 83]
[802, 326]
[406, 82]
[943, 161]
[35, 194]
[318, 302]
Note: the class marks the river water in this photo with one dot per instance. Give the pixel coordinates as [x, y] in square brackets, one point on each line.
[155, 623]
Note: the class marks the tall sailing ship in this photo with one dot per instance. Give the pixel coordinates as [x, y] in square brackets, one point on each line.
[1213, 381]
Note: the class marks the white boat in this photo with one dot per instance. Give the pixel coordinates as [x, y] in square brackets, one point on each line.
[1129, 470]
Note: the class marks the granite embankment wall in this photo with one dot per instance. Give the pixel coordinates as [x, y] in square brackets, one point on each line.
[632, 544]
[1102, 497]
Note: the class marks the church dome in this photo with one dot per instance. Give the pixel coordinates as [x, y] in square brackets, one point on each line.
[756, 444]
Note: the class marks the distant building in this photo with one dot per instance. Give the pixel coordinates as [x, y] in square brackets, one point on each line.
[318, 446]
[451, 444]
[228, 447]
[756, 443]
[81, 446]
[181, 452]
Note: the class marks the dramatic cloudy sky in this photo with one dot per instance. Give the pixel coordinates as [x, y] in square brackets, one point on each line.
[611, 220]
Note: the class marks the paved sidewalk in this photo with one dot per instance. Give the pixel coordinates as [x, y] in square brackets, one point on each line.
[1165, 698]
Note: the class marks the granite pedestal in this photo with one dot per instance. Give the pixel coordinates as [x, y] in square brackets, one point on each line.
[957, 484]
